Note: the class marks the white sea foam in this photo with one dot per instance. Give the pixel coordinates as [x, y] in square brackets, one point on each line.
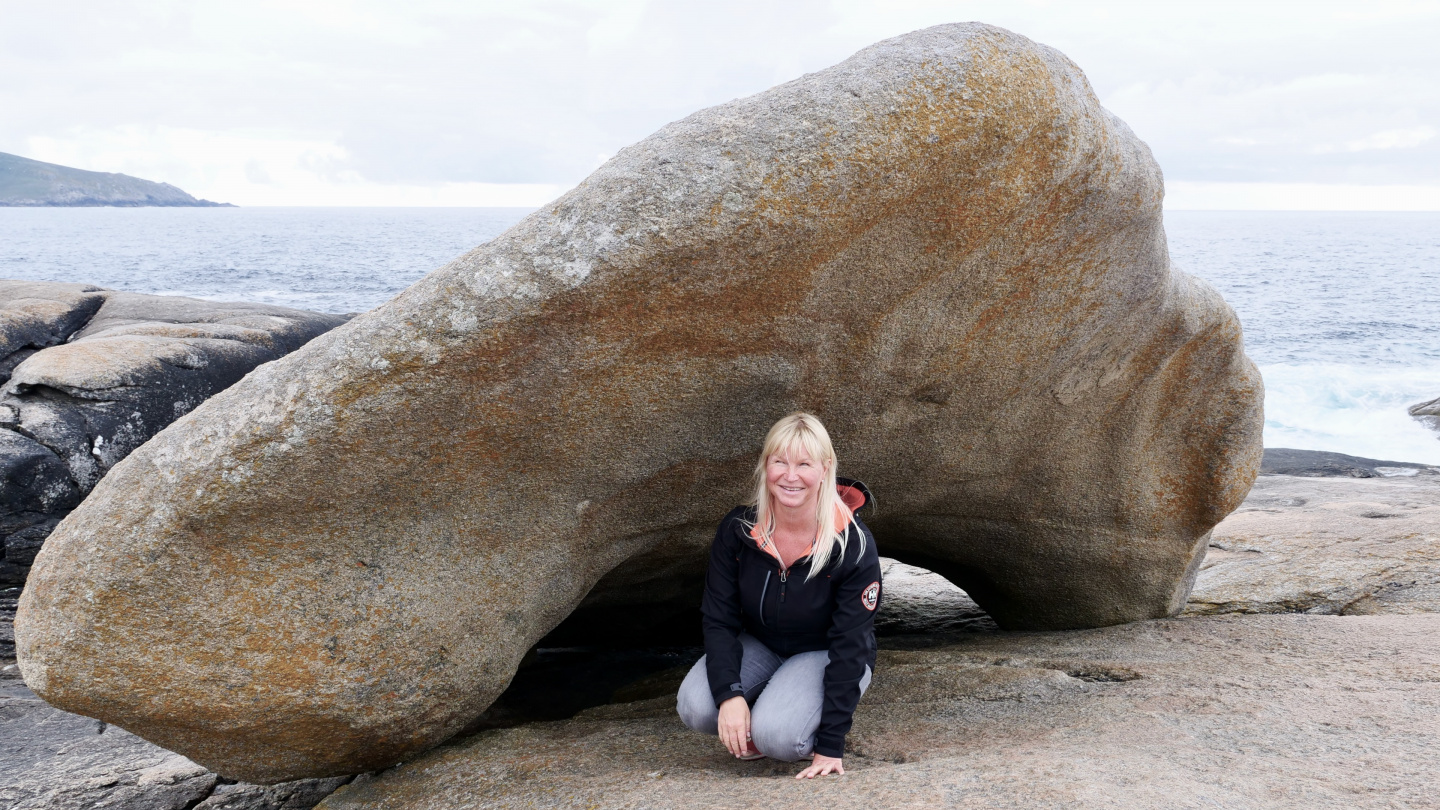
[1360, 410]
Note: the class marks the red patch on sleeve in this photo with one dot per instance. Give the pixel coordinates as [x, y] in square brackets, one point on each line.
[871, 596]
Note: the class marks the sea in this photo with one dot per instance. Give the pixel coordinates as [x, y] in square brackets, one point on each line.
[1341, 311]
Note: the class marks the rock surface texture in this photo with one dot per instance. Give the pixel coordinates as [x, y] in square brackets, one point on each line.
[943, 246]
[1268, 712]
[1428, 413]
[51, 760]
[1327, 545]
[1323, 464]
[88, 374]
[920, 601]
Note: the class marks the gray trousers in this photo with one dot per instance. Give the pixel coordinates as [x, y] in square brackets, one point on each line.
[785, 697]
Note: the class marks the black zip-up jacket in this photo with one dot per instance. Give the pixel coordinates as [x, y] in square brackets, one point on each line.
[746, 590]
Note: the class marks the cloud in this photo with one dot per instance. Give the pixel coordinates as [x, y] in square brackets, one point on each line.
[1391, 139]
[265, 168]
[288, 103]
[1200, 196]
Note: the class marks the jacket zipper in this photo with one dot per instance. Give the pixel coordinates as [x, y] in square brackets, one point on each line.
[764, 588]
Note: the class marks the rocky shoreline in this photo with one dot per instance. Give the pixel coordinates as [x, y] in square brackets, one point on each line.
[1258, 695]
[88, 374]
[381, 566]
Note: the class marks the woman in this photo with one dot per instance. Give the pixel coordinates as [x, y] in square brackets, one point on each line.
[789, 609]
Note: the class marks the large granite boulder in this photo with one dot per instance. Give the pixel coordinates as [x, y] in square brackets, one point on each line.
[944, 246]
[88, 374]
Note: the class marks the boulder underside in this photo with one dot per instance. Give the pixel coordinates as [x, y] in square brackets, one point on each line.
[943, 246]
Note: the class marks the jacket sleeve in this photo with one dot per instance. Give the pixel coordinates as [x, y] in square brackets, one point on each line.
[852, 628]
[720, 614]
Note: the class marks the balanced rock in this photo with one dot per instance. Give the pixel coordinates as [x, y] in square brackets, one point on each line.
[943, 246]
[89, 374]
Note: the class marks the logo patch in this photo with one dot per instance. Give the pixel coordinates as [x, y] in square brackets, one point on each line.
[871, 597]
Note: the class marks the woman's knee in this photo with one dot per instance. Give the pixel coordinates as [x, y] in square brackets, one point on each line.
[786, 717]
[780, 736]
[694, 702]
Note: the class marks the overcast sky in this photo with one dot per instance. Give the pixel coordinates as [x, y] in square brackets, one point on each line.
[422, 102]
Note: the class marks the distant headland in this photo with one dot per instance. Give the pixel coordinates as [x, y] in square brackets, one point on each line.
[31, 183]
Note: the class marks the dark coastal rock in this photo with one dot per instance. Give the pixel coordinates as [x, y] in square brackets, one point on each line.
[37, 315]
[1321, 464]
[1428, 413]
[9, 602]
[30, 183]
[89, 374]
[36, 488]
[944, 246]
[53, 760]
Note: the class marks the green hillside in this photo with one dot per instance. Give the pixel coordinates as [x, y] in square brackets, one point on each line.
[25, 182]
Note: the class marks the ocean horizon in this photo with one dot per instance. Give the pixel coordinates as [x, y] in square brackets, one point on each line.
[1339, 308]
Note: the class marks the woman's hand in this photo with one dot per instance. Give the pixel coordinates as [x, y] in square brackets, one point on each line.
[735, 724]
[821, 766]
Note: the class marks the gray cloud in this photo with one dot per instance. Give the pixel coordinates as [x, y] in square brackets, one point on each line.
[426, 92]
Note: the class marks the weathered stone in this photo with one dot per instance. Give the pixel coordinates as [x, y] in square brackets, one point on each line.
[35, 315]
[93, 373]
[944, 246]
[9, 601]
[1255, 711]
[53, 760]
[299, 795]
[920, 601]
[1322, 464]
[1428, 413]
[1327, 545]
[34, 484]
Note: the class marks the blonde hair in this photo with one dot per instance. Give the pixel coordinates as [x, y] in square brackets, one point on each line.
[804, 432]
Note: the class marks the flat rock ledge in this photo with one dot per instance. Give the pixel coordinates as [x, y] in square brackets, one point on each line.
[1232, 711]
[1326, 546]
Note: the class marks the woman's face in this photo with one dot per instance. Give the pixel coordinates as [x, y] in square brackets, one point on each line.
[793, 479]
